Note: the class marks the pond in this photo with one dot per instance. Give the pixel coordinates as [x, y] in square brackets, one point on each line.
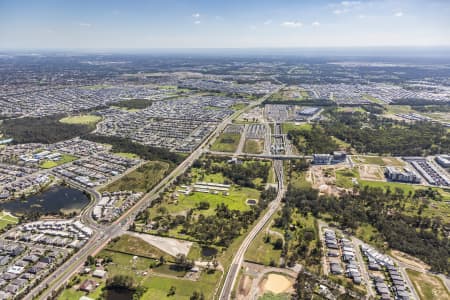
[251, 201]
[55, 199]
[119, 294]
[208, 251]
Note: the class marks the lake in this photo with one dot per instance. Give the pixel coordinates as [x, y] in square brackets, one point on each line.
[53, 200]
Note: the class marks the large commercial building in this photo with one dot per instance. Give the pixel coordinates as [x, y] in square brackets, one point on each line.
[443, 160]
[401, 174]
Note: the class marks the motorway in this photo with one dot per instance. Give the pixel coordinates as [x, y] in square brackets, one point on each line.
[236, 264]
[103, 234]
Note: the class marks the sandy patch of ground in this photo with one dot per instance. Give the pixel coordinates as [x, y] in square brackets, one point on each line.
[428, 286]
[244, 287]
[277, 284]
[392, 161]
[370, 172]
[409, 260]
[168, 245]
[323, 178]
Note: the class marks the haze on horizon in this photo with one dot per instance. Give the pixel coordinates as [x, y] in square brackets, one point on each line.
[222, 24]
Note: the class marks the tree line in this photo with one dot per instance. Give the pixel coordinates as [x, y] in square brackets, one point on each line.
[368, 133]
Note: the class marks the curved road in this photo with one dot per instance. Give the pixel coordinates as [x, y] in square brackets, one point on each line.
[236, 264]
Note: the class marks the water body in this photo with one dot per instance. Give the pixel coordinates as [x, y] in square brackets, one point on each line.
[119, 294]
[53, 200]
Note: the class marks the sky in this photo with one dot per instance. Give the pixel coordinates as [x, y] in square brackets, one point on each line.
[133, 24]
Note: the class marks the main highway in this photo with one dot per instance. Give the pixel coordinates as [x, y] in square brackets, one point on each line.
[47, 287]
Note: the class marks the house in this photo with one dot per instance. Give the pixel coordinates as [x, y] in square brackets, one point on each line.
[401, 295]
[99, 273]
[332, 253]
[374, 267]
[88, 286]
[335, 268]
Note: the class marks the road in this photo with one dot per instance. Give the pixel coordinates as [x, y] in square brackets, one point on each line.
[104, 233]
[236, 264]
[241, 144]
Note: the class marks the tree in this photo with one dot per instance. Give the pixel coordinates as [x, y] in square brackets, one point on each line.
[278, 245]
[90, 261]
[197, 296]
[172, 291]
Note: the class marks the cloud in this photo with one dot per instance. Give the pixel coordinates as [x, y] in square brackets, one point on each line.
[86, 25]
[196, 22]
[252, 27]
[218, 18]
[398, 14]
[350, 3]
[292, 24]
[267, 22]
[315, 24]
[196, 15]
[340, 11]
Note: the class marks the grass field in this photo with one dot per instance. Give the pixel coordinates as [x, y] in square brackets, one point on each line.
[377, 160]
[286, 127]
[342, 145]
[158, 287]
[344, 178]
[6, 219]
[140, 180]
[65, 158]
[127, 155]
[370, 234]
[374, 99]
[271, 296]
[254, 146]
[428, 286]
[136, 246]
[298, 180]
[235, 200]
[262, 252]
[81, 119]
[226, 142]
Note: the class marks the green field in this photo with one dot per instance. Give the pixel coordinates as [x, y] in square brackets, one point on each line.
[81, 119]
[140, 180]
[377, 160]
[286, 127]
[127, 155]
[263, 252]
[298, 180]
[344, 177]
[235, 200]
[226, 142]
[271, 296]
[374, 99]
[6, 219]
[65, 158]
[136, 246]
[158, 287]
[254, 146]
[428, 286]
[239, 106]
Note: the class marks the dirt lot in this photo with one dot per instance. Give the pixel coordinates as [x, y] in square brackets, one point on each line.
[245, 285]
[323, 178]
[428, 286]
[409, 260]
[277, 284]
[370, 172]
